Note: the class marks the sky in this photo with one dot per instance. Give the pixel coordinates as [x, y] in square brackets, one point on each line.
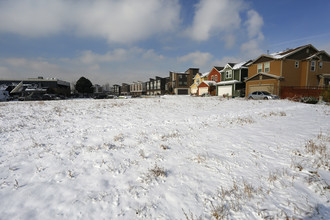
[122, 41]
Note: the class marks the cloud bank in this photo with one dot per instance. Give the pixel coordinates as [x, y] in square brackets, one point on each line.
[124, 21]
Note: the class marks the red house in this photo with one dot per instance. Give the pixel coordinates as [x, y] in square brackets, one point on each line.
[215, 74]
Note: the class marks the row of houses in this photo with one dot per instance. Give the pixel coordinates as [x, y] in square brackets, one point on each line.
[304, 67]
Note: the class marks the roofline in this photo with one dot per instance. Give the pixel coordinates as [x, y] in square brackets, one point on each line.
[266, 74]
[285, 56]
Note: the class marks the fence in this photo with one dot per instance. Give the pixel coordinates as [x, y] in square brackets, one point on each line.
[300, 91]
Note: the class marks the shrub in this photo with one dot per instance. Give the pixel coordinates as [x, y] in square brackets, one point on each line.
[309, 100]
[326, 94]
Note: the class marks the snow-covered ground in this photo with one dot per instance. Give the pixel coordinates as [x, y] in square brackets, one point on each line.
[172, 157]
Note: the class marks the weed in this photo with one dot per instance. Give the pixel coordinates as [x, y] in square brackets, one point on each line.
[219, 212]
[157, 171]
[16, 185]
[191, 216]
[119, 137]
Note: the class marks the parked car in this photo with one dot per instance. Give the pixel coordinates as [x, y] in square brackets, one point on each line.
[262, 95]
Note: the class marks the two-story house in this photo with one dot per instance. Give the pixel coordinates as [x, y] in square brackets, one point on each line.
[232, 79]
[304, 66]
[199, 77]
[179, 82]
[125, 89]
[156, 86]
[137, 88]
[208, 86]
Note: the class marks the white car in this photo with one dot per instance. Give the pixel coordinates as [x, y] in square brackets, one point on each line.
[262, 95]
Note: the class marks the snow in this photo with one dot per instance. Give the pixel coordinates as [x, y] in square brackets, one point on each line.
[171, 157]
[240, 65]
[228, 82]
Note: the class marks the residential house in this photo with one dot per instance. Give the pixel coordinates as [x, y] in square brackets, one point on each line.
[199, 77]
[232, 79]
[206, 87]
[303, 67]
[37, 85]
[215, 74]
[179, 82]
[138, 88]
[125, 89]
[116, 90]
[156, 86]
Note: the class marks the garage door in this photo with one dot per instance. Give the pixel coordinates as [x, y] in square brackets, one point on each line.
[193, 90]
[266, 87]
[224, 90]
[203, 90]
[182, 91]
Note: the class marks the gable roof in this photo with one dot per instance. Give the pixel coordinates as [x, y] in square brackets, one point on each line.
[318, 55]
[219, 68]
[283, 54]
[205, 74]
[265, 74]
[209, 83]
[241, 65]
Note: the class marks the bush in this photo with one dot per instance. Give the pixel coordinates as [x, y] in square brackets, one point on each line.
[326, 95]
[309, 100]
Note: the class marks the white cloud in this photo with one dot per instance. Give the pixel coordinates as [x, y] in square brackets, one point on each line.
[197, 58]
[254, 24]
[213, 17]
[251, 49]
[117, 21]
[117, 55]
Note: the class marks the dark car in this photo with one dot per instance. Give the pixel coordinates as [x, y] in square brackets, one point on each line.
[262, 95]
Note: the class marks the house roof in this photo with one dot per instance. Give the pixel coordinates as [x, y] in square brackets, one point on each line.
[228, 82]
[317, 55]
[265, 74]
[219, 68]
[283, 54]
[209, 83]
[205, 74]
[241, 65]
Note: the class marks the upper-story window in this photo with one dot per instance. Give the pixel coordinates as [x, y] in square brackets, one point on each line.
[320, 65]
[296, 64]
[229, 74]
[313, 66]
[197, 80]
[215, 78]
[267, 67]
[259, 67]
[212, 78]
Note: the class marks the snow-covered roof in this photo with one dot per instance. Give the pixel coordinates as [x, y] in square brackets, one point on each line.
[240, 65]
[205, 74]
[210, 83]
[228, 82]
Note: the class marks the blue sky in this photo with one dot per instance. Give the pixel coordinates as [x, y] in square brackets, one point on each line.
[116, 41]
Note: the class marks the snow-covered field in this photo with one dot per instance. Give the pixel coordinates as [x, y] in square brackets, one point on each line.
[171, 157]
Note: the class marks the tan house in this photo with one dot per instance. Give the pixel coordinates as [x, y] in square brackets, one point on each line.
[179, 82]
[303, 67]
[199, 77]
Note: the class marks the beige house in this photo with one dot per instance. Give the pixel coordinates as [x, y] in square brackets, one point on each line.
[303, 66]
[199, 77]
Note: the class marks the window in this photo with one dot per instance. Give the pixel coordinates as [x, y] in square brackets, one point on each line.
[197, 81]
[212, 78]
[259, 67]
[215, 78]
[267, 67]
[228, 74]
[320, 65]
[313, 66]
[296, 64]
